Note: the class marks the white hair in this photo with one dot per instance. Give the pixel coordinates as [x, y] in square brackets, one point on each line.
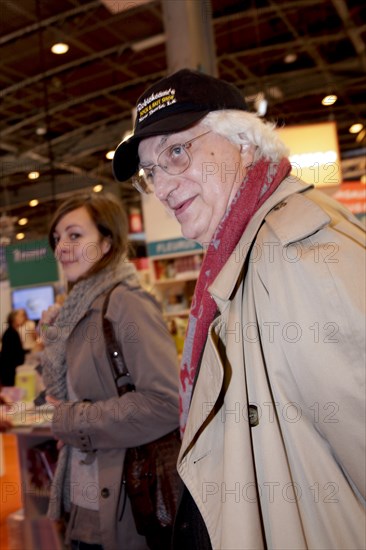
[247, 129]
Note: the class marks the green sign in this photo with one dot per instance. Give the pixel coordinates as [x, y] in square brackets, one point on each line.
[31, 263]
[171, 246]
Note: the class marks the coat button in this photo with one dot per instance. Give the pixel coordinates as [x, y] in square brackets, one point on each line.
[253, 416]
[104, 492]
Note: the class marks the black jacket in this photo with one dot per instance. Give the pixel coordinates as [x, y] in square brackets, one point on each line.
[12, 355]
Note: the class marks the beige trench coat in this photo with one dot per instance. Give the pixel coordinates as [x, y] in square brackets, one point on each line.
[292, 320]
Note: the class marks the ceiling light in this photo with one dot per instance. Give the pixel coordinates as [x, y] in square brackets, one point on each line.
[275, 92]
[41, 130]
[110, 155]
[98, 188]
[20, 236]
[361, 136]
[60, 48]
[290, 58]
[260, 104]
[117, 7]
[33, 202]
[355, 128]
[329, 99]
[23, 221]
[33, 175]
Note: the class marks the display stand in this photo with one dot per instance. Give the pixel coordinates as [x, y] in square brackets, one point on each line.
[2, 465]
[35, 499]
[30, 528]
[174, 279]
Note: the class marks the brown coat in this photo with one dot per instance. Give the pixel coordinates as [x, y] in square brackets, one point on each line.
[110, 424]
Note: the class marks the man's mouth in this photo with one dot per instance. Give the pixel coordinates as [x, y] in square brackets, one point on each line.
[180, 208]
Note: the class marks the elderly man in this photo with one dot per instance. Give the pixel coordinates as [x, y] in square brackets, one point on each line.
[272, 375]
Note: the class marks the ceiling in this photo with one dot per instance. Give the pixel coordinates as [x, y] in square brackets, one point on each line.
[60, 114]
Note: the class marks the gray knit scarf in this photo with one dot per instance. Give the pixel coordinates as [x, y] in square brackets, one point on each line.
[75, 307]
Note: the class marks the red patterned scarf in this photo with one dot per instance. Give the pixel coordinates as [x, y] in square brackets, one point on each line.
[260, 182]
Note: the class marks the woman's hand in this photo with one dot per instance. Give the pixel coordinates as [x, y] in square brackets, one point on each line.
[48, 318]
[53, 401]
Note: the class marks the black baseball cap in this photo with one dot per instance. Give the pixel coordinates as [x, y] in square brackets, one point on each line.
[171, 105]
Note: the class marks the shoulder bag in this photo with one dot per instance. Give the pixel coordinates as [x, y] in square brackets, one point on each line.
[150, 476]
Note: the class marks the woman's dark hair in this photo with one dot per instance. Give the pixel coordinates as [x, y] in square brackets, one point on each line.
[11, 317]
[110, 218]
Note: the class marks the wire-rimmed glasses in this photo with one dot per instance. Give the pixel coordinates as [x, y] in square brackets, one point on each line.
[173, 160]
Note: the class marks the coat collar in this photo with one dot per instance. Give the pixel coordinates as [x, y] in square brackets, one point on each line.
[224, 284]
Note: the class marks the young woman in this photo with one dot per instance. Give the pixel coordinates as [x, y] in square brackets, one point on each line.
[93, 424]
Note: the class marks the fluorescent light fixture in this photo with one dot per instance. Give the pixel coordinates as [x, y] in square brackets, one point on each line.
[33, 202]
[20, 236]
[148, 42]
[22, 221]
[98, 188]
[317, 157]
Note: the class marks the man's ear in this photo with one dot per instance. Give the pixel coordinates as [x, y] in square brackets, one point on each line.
[247, 152]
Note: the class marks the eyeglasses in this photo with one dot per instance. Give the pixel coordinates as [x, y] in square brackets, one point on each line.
[173, 160]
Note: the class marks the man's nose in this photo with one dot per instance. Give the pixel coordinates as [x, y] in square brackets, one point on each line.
[164, 184]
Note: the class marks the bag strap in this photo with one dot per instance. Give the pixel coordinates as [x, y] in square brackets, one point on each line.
[121, 374]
